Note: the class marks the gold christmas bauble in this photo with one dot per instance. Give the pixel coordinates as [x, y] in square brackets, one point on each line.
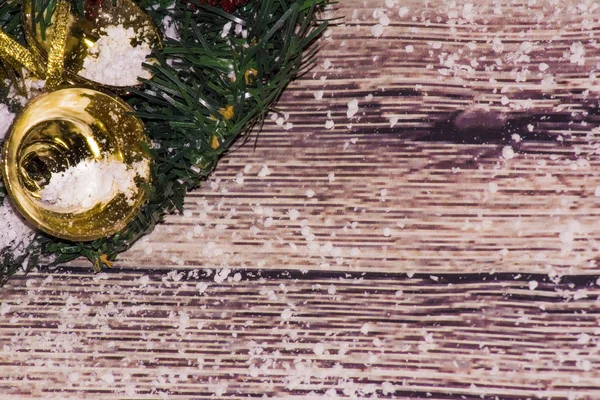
[84, 31]
[60, 130]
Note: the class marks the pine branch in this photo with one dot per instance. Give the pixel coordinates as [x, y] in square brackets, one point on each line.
[208, 91]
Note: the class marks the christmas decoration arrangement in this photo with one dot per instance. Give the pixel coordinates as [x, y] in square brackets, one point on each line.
[112, 110]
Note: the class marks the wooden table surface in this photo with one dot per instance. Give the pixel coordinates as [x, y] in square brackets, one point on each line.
[418, 220]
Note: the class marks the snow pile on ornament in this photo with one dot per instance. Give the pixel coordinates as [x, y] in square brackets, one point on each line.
[112, 60]
[92, 182]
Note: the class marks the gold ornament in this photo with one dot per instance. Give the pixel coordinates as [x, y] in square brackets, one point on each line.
[60, 128]
[57, 130]
[84, 31]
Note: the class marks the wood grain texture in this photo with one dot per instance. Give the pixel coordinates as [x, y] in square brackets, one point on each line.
[131, 336]
[398, 253]
[449, 206]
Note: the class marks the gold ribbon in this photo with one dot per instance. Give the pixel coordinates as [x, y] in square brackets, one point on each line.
[56, 55]
[18, 54]
[14, 52]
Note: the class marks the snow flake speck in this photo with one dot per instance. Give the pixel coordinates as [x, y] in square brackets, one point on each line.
[567, 236]
[584, 365]
[577, 55]
[365, 328]
[264, 171]
[497, 45]
[293, 214]
[239, 178]
[508, 153]
[377, 30]
[352, 108]
[388, 388]
[584, 338]
[384, 20]
[319, 348]
[108, 377]
[286, 314]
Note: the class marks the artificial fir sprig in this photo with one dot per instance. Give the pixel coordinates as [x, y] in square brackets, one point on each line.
[210, 87]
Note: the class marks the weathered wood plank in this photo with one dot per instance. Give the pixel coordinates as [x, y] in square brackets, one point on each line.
[192, 337]
[447, 206]
[400, 254]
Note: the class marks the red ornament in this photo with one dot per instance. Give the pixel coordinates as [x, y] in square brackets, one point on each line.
[227, 5]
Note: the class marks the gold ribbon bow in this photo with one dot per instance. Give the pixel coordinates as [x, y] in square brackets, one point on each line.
[15, 53]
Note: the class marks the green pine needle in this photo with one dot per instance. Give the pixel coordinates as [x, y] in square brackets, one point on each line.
[196, 78]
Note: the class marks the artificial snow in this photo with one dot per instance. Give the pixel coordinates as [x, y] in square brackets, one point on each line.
[6, 119]
[352, 108]
[15, 233]
[508, 153]
[92, 182]
[31, 87]
[112, 60]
